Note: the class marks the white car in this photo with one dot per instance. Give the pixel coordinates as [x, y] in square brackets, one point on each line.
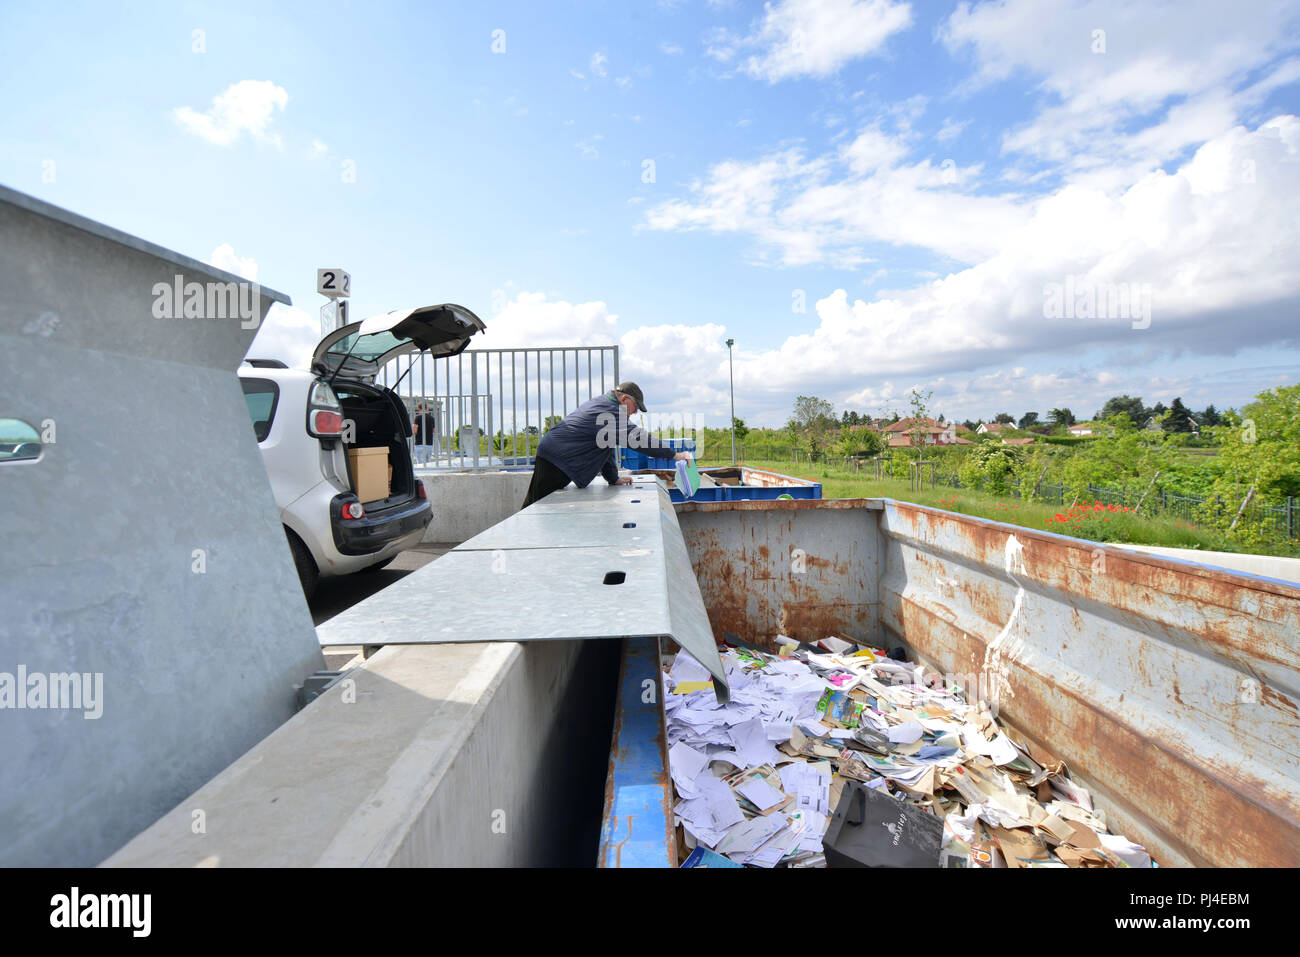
[305, 421]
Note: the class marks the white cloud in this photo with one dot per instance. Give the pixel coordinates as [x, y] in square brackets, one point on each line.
[828, 208]
[287, 333]
[248, 106]
[530, 320]
[223, 257]
[670, 49]
[599, 65]
[812, 37]
[1215, 241]
[1181, 72]
[587, 148]
[951, 129]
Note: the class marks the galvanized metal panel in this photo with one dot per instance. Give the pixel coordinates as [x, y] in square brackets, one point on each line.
[637, 830]
[144, 545]
[537, 576]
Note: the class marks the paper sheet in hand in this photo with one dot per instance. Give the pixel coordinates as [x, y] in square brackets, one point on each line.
[688, 478]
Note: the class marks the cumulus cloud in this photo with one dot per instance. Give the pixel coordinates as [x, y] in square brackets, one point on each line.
[829, 208]
[223, 257]
[248, 106]
[287, 333]
[1179, 72]
[1214, 242]
[812, 37]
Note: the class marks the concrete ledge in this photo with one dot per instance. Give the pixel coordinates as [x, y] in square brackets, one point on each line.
[435, 755]
[466, 503]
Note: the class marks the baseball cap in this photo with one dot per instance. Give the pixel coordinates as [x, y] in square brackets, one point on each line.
[634, 390]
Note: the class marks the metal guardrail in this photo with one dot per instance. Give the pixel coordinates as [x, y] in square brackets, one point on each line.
[493, 405]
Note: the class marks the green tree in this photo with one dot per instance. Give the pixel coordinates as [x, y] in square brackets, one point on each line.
[1028, 420]
[1061, 417]
[1004, 418]
[920, 403]
[1130, 405]
[1180, 418]
[810, 412]
[990, 466]
[742, 430]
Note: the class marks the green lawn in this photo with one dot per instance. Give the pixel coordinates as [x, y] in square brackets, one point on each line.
[1170, 531]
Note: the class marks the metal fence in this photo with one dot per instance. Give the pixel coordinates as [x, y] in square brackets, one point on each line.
[491, 406]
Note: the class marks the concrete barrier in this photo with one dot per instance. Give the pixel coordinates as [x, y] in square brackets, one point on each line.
[466, 503]
[488, 755]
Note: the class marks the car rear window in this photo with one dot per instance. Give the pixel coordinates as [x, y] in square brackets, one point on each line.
[262, 395]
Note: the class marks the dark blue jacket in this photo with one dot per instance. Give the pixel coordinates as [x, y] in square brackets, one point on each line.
[586, 442]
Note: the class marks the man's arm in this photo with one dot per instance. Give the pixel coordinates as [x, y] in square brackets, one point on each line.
[609, 471]
[642, 441]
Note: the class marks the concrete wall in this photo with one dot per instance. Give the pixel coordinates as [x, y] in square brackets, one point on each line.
[487, 755]
[466, 503]
[173, 581]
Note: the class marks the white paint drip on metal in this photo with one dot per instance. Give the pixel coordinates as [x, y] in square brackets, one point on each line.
[1010, 641]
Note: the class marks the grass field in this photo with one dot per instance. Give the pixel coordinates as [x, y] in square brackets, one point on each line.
[1098, 526]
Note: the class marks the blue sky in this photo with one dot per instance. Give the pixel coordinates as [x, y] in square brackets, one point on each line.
[917, 176]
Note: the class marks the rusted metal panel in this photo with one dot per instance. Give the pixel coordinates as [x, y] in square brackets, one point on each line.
[1169, 688]
[768, 568]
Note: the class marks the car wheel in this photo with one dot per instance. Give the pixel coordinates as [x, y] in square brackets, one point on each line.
[308, 574]
[378, 565]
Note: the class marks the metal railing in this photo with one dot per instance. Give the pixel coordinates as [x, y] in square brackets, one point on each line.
[492, 406]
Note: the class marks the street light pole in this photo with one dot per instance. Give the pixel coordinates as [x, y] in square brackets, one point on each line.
[731, 370]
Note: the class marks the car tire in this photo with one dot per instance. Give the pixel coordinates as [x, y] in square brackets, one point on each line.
[378, 565]
[308, 574]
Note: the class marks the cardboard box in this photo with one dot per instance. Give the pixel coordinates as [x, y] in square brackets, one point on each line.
[369, 468]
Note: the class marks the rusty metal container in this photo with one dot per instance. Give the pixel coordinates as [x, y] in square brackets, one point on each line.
[1169, 688]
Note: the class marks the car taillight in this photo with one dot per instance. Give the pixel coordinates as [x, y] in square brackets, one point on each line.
[324, 412]
[353, 510]
[419, 490]
[325, 422]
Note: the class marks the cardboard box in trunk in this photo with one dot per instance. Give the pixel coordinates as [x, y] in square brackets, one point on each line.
[370, 475]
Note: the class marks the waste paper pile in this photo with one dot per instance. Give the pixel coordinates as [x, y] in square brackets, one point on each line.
[840, 755]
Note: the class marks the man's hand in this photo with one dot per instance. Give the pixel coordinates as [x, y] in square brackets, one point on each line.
[624, 480]
[682, 457]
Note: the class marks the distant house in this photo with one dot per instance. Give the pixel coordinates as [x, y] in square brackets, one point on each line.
[1081, 428]
[875, 425]
[987, 427]
[931, 432]
[1028, 440]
